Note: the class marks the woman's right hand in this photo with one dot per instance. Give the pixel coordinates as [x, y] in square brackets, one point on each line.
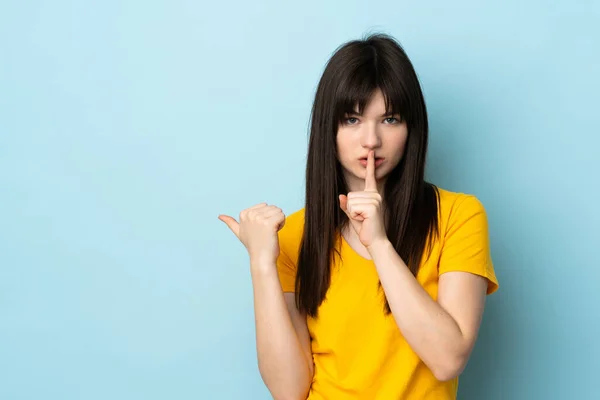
[257, 230]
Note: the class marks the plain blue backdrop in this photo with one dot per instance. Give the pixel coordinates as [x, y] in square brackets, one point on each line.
[126, 127]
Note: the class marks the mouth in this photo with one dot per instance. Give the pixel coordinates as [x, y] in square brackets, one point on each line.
[378, 161]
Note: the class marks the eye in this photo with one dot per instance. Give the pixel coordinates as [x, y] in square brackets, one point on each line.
[351, 121]
[391, 120]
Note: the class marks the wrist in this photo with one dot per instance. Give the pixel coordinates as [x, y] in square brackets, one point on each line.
[379, 246]
[262, 263]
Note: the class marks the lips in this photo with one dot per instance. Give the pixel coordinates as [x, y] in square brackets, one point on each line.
[378, 161]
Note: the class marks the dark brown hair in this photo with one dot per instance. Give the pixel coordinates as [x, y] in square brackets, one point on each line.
[353, 73]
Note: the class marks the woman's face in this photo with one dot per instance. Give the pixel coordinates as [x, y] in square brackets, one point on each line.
[373, 130]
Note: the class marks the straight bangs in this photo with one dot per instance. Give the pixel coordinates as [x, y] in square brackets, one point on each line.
[357, 89]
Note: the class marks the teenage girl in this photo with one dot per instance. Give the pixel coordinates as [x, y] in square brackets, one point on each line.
[375, 289]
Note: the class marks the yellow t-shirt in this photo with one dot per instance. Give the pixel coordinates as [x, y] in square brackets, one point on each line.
[358, 351]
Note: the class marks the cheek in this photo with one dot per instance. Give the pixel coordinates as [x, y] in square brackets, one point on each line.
[342, 148]
[399, 142]
[401, 145]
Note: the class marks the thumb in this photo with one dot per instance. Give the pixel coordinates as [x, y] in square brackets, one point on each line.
[231, 223]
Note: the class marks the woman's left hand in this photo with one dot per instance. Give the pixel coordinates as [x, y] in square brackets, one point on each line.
[364, 209]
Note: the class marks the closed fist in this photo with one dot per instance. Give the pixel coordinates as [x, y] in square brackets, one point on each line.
[257, 230]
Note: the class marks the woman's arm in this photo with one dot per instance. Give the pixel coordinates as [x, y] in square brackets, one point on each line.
[282, 339]
[442, 333]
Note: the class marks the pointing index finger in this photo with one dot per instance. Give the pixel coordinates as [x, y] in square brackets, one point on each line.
[370, 180]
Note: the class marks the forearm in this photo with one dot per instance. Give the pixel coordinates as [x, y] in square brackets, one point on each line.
[430, 331]
[282, 363]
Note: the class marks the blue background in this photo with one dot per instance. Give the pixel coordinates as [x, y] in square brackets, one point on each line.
[126, 127]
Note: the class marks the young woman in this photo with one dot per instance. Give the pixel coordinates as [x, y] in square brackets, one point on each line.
[376, 288]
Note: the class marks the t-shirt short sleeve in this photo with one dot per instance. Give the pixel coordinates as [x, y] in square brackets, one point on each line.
[466, 243]
[287, 272]
[288, 254]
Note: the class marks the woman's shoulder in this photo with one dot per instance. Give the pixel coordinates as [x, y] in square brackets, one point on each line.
[450, 197]
[455, 205]
[295, 220]
[291, 233]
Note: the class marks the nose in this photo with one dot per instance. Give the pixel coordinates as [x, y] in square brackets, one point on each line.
[370, 137]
